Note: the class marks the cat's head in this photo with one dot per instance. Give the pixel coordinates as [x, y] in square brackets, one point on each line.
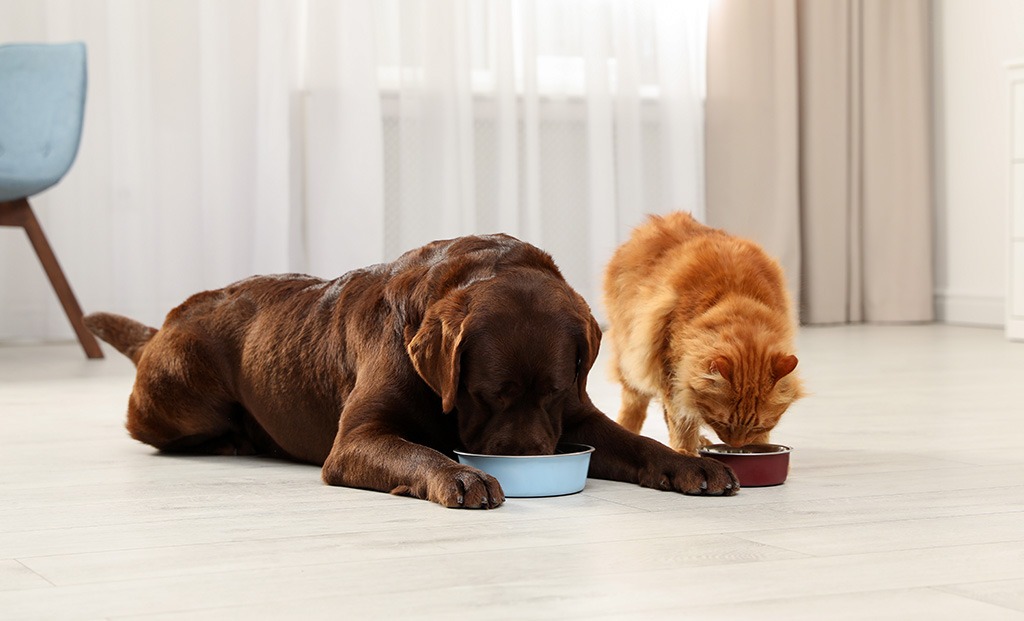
[742, 397]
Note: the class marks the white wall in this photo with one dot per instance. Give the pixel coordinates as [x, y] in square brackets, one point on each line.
[972, 42]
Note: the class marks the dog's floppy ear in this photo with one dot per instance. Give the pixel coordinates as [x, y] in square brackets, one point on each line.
[436, 348]
[586, 352]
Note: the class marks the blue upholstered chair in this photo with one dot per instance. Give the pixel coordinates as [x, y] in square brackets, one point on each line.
[42, 98]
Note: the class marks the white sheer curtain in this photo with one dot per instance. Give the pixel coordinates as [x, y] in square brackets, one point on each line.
[236, 137]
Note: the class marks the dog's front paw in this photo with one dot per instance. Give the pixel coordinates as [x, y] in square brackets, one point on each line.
[462, 487]
[697, 476]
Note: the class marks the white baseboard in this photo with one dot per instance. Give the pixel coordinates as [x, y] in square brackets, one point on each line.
[970, 310]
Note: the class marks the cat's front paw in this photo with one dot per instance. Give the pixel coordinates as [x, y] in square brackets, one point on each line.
[694, 451]
[686, 474]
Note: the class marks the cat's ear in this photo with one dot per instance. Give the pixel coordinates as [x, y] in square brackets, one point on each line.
[723, 367]
[784, 365]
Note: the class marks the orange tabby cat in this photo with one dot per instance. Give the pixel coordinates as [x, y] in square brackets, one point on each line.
[700, 320]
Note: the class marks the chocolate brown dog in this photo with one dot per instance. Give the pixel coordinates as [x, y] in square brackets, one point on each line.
[474, 343]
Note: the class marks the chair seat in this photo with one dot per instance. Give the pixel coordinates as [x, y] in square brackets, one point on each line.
[16, 184]
[41, 108]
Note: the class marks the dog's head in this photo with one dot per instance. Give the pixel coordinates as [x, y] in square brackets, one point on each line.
[507, 355]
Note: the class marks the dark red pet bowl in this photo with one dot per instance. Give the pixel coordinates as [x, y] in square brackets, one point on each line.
[755, 465]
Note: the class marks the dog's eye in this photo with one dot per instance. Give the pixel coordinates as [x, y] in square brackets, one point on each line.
[508, 390]
[552, 391]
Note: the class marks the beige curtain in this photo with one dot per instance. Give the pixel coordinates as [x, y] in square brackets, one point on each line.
[818, 147]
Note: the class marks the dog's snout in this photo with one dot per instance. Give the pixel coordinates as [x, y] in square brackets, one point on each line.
[513, 446]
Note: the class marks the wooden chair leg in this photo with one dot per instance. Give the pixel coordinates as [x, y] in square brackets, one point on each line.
[19, 213]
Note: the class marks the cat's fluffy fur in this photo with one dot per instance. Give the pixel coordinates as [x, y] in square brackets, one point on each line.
[700, 320]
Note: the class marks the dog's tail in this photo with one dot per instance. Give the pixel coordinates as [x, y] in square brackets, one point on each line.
[126, 335]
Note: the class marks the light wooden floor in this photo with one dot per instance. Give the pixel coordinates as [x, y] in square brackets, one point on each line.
[905, 501]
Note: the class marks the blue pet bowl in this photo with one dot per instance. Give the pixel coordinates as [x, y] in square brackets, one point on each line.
[530, 476]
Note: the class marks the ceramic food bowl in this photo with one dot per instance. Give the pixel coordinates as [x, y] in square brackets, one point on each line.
[755, 465]
[527, 476]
